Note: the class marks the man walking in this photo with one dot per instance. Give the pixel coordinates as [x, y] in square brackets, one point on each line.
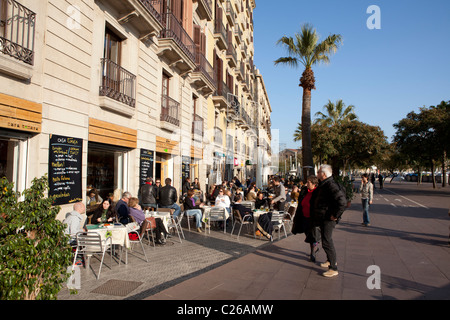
[168, 198]
[327, 204]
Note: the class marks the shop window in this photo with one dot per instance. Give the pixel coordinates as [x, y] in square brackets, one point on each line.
[106, 170]
[13, 161]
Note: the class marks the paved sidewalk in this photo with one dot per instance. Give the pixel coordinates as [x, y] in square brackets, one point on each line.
[408, 241]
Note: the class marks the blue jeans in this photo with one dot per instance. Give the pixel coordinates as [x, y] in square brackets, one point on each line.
[150, 205]
[365, 205]
[173, 206]
[198, 216]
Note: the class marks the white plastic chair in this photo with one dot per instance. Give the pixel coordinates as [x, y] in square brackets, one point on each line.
[246, 220]
[217, 214]
[91, 243]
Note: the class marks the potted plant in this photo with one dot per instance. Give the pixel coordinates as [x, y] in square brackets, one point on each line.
[34, 251]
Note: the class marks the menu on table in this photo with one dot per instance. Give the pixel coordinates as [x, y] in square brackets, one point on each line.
[64, 169]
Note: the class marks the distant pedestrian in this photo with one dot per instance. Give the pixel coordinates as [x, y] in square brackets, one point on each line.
[366, 191]
[381, 180]
[327, 204]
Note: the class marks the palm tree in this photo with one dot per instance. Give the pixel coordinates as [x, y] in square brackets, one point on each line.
[305, 48]
[336, 113]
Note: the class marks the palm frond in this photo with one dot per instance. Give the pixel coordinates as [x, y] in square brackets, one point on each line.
[293, 62]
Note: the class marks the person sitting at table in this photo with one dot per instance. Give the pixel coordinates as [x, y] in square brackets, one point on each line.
[264, 224]
[139, 216]
[196, 185]
[168, 198]
[122, 208]
[223, 201]
[261, 202]
[251, 194]
[192, 209]
[103, 213]
[73, 220]
[93, 198]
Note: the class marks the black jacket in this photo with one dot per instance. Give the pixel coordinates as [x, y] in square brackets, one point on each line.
[147, 194]
[167, 196]
[298, 225]
[327, 200]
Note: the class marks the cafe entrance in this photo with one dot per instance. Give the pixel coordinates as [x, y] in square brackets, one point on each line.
[13, 157]
[107, 168]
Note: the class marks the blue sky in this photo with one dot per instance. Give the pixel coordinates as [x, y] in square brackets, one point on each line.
[384, 73]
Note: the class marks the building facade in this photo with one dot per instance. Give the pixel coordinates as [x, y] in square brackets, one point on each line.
[105, 93]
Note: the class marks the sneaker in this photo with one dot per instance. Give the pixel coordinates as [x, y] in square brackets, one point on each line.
[199, 230]
[330, 273]
[326, 264]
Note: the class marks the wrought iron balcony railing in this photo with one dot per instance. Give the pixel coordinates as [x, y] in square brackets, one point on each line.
[117, 83]
[17, 31]
[174, 30]
[170, 110]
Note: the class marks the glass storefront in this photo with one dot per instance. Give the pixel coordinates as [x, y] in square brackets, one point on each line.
[13, 157]
[107, 169]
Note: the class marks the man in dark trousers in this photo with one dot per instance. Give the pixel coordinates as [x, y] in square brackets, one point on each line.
[328, 202]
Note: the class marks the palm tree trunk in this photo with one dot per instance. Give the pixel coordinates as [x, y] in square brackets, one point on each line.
[308, 163]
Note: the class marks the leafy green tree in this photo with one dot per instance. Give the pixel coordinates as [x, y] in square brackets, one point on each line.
[423, 138]
[304, 48]
[336, 113]
[34, 251]
[346, 144]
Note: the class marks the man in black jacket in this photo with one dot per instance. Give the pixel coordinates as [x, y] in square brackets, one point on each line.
[168, 198]
[328, 202]
[147, 195]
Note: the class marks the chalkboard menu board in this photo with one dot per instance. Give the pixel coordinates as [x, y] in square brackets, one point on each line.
[185, 168]
[146, 165]
[64, 169]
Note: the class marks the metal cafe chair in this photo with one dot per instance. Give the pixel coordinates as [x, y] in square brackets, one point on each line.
[91, 243]
[246, 220]
[217, 214]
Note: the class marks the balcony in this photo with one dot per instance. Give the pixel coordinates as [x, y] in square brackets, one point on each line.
[204, 9]
[169, 113]
[231, 55]
[17, 31]
[197, 128]
[176, 46]
[220, 34]
[220, 96]
[230, 13]
[119, 85]
[142, 15]
[240, 72]
[244, 50]
[203, 75]
[238, 34]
